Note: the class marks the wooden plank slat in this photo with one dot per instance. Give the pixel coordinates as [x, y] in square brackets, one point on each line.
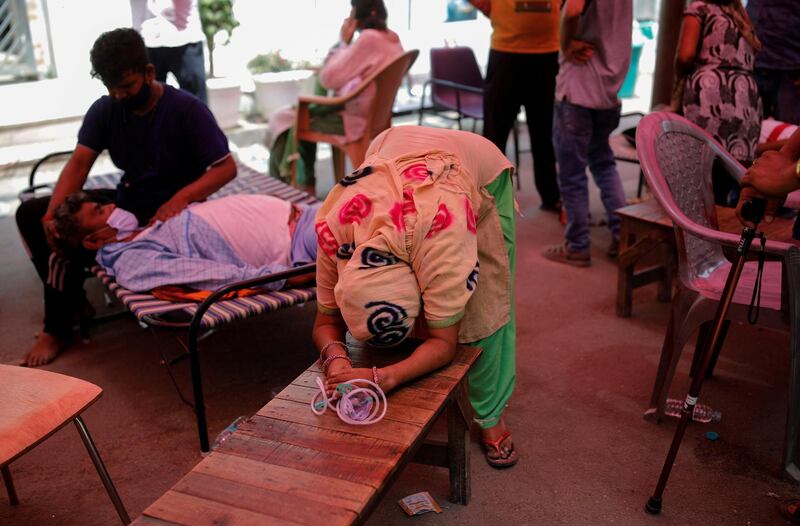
[150, 521]
[186, 509]
[319, 488]
[396, 432]
[280, 507]
[327, 440]
[344, 467]
[396, 410]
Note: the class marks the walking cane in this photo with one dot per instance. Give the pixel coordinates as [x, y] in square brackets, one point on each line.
[752, 211]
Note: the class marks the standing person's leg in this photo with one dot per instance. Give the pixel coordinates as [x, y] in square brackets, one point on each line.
[604, 170]
[191, 70]
[492, 378]
[572, 132]
[539, 83]
[500, 97]
[63, 284]
[788, 98]
[160, 59]
[767, 84]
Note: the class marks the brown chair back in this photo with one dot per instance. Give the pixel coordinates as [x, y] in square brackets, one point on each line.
[387, 82]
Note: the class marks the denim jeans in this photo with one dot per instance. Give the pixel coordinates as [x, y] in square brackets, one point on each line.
[186, 63]
[580, 139]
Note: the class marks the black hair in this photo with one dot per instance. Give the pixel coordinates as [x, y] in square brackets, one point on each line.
[371, 13]
[117, 52]
[69, 230]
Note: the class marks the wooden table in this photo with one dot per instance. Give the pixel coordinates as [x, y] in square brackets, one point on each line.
[287, 465]
[647, 248]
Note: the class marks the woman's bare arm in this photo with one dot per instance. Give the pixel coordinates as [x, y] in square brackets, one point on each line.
[435, 352]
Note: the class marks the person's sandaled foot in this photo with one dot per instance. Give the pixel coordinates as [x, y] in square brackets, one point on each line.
[498, 446]
[790, 509]
[45, 350]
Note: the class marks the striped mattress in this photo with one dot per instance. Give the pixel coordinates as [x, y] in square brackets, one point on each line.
[152, 311]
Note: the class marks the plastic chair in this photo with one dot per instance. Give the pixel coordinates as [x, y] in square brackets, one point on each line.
[676, 157]
[387, 81]
[457, 86]
[38, 403]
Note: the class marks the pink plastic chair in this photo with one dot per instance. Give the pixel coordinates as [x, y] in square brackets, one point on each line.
[676, 157]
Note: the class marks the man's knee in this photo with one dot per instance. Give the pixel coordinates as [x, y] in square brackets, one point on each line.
[29, 216]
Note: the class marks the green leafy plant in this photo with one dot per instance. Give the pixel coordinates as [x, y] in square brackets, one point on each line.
[274, 62]
[216, 16]
[271, 62]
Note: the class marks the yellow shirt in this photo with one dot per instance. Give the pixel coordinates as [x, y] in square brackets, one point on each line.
[530, 26]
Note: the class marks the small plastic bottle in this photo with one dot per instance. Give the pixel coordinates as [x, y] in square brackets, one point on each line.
[702, 413]
[228, 431]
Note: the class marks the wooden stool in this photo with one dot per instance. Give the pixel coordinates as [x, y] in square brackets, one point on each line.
[36, 404]
[646, 253]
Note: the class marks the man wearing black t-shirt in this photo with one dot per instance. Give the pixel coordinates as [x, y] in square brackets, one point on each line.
[171, 152]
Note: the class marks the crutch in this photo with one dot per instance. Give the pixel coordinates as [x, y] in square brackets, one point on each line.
[752, 211]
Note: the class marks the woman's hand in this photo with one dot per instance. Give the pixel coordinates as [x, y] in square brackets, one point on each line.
[348, 30]
[333, 379]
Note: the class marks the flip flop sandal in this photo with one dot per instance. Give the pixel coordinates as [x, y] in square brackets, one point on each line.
[506, 457]
[790, 509]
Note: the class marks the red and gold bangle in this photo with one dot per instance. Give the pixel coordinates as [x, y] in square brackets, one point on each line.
[375, 377]
[333, 357]
[334, 342]
[797, 169]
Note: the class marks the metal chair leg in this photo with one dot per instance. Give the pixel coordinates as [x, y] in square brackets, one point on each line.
[101, 470]
[12, 493]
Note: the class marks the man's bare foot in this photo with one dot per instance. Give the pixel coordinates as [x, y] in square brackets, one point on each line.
[44, 350]
[498, 446]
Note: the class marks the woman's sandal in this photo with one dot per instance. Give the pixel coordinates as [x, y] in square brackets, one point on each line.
[506, 457]
[790, 509]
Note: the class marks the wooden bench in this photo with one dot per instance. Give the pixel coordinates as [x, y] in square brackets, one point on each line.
[647, 247]
[287, 465]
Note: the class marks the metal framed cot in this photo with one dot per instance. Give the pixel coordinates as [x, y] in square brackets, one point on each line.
[197, 319]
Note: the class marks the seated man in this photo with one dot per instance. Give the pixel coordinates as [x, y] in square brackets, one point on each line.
[205, 247]
[170, 150]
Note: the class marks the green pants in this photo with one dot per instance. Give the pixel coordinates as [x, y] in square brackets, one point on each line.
[492, 378]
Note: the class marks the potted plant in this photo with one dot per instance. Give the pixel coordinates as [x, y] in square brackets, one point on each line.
[224, 94]
[279, 81]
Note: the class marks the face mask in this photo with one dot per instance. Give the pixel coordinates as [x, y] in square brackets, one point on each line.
[123, 221]
[135, 102]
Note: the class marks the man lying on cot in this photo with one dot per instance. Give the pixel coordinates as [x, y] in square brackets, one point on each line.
[402, 240]
[206, 246]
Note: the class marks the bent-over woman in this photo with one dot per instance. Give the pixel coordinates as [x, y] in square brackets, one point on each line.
[420, 241]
